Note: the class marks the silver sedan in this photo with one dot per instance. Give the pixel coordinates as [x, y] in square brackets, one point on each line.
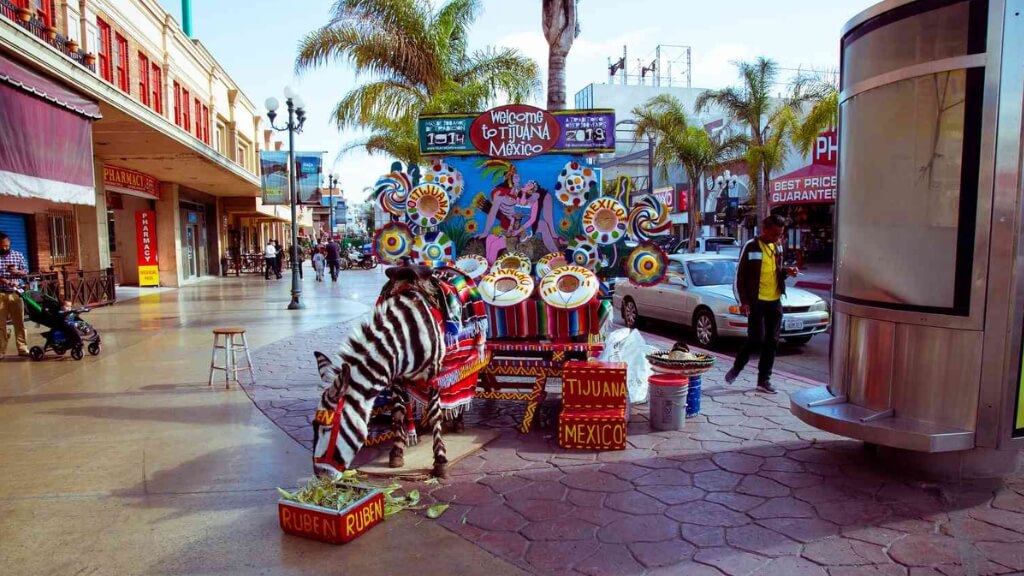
[698, 293]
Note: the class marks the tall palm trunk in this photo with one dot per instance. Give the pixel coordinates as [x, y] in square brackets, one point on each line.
[558, 19]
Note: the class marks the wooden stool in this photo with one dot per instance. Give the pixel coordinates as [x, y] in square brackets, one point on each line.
[230, 346]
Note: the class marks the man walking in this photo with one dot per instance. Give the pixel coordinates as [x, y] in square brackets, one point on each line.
[333, 258]
[760, 284]
[270, 261]
[13, 268]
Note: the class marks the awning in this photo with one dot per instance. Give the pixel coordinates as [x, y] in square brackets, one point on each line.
[45, 138]
[814, 184]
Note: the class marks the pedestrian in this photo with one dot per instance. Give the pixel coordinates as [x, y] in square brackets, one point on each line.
[279, 260]
[319, 261]
[760, 285]
[297, 258]
[13, 269]
[333, 258]
[270, 260]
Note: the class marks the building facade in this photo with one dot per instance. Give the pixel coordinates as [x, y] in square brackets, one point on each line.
[160, 130]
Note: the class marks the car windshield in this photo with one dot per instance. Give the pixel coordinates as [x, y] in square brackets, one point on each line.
[712, 272]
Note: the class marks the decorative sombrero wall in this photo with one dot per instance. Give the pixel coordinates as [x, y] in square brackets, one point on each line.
[510, 197]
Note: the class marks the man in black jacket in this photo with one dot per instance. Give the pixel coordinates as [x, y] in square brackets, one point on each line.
[760, 285]
[333, 258]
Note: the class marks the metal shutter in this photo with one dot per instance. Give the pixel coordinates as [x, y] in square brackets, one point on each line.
[15, 226]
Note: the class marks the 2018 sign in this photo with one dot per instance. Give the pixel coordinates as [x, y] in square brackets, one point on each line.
[514, 132]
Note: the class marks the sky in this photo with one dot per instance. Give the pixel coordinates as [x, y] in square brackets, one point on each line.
[256, 42]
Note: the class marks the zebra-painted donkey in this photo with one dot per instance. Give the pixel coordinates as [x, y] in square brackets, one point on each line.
[403, 341]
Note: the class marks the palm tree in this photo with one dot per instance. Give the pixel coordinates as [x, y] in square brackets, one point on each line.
[560, 29]
[679, 142]
[754, 106]
[823, 93]
[419, 61]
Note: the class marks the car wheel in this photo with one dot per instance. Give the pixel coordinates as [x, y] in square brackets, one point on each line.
[630, 314]
[799, 340]
[705, 328]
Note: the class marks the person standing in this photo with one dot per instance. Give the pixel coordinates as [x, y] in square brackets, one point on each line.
[333, 258]
[760, 285]
[270, 260]
[13, 269]
[318, 263]
[279, 261]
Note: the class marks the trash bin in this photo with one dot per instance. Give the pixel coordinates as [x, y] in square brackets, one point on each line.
[668, 401]
[693, 396]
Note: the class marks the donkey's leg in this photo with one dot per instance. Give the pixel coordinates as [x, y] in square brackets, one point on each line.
[399, 400]
[440, 452]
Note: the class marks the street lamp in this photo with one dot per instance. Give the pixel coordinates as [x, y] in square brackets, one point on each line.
[296, 118]
[332, 181]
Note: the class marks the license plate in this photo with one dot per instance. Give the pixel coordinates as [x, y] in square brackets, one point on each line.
[792, 324]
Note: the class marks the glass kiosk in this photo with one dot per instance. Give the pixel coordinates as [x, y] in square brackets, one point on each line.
[929, 252]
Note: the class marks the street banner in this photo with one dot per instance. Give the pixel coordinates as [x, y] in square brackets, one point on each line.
[274, 170]
[308, 170]
[517, 131]
[145, 246]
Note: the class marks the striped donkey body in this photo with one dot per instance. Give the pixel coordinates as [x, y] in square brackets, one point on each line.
[403, 341]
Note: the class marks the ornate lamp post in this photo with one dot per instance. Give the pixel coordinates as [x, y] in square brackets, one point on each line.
[296, 118]
[332, 181]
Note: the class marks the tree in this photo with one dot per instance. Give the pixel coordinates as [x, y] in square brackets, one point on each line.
[823, 93]
[561, 28]
[419, 62]
[754, 106]
[678, 142]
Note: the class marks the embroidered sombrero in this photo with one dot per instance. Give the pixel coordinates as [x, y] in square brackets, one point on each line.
[505, 287]
[513, 261]
[646, 264]
[427, 205]
[549, 262]
[648, 218]
[392, 242]
[569, 287]
[573, 183]
[583, 252]
[474, 265]
[392, 191]
[444, 175]
[432, 247]
[604, 221]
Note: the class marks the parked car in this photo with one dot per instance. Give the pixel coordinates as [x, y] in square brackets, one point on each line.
[712, 245]
[698, 293]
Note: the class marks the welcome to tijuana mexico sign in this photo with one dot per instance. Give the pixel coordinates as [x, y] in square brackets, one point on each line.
[516, 132]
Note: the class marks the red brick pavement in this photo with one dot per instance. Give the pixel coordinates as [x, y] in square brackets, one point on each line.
[746, 488]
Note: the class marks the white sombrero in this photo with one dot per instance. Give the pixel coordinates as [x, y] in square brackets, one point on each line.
[474, 265]
[505, 287]
[513, 261]
[569, 287]
[549, 262]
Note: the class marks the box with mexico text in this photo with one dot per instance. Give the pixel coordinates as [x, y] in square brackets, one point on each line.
[593, 429]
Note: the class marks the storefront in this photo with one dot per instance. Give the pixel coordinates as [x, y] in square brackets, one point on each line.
[807, 197]
[196, 211]
[128, 193]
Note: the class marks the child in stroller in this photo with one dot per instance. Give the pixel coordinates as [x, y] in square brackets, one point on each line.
[67, 331]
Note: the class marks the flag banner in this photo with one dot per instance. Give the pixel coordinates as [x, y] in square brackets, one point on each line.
[274, 168]
[308, 170]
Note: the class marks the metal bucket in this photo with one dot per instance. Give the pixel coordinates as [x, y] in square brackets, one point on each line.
[668, 401]
[693, 396]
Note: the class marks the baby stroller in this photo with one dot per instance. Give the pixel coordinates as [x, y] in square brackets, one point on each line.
[67, 329]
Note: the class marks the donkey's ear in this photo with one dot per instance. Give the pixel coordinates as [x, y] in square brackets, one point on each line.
[328, 371]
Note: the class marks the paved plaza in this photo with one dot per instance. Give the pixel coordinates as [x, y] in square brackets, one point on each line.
[129, 464]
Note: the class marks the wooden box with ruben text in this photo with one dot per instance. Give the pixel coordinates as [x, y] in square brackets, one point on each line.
[329, 525]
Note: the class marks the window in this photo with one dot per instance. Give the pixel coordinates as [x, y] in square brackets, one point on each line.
[221, 139]
[121, 62]
[157, 80]
[186, 118]
[177, 103]
[206, 124]
[46, 12]
[145, 90]
[199, 118]
[61, 226]
[242, 154]
[104, 50]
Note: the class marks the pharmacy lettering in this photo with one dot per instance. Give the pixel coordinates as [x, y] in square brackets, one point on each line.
[145, 245]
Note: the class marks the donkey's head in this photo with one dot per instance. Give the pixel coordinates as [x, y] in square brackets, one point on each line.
[337, 379]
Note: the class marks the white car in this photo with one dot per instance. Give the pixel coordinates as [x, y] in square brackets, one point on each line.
[698, 293]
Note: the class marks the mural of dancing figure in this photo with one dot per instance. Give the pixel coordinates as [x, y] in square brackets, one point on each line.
[501, 208]
[535, 216]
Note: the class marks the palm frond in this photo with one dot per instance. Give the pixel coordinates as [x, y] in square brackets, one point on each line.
[370, 103]
[505, 71]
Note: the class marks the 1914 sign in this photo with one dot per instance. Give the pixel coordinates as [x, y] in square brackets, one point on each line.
[514, 132]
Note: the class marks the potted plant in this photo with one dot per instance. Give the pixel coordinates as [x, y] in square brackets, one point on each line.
[72, 45]
[24, 14]
[50, 32]
[90, 59]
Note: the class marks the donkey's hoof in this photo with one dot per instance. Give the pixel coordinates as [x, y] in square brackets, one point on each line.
[441, 471]
[396, 461]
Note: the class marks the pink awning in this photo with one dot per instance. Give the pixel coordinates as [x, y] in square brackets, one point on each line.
[39, 85]
[814, 184]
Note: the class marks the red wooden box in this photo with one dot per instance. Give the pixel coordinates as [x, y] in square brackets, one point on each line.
[593, 429]
[594, 385]
[329, 525]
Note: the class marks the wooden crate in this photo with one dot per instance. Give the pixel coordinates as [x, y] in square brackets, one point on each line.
[593, 429]
[329, 525]
[594, 385]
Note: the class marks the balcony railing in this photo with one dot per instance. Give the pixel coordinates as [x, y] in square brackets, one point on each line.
[80, 287]
[38, 28]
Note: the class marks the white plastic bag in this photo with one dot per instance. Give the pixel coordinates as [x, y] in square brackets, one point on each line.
[625, 345]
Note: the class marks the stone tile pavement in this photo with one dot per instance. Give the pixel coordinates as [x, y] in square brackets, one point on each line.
[746, 488]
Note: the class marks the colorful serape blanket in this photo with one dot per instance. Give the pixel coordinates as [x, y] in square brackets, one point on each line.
[534, 318]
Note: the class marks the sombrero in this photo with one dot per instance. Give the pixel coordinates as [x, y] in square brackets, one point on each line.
[646, 264]
[444, 175]
[583, 252]
[569, 287]
[474, 265]
[392, 242]
[392, 191]
[513, 261]
[427, 205]
[432, 247]
[604, 221]
[648, 218]
[573, 183]
[549, 262]
[505, 287]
